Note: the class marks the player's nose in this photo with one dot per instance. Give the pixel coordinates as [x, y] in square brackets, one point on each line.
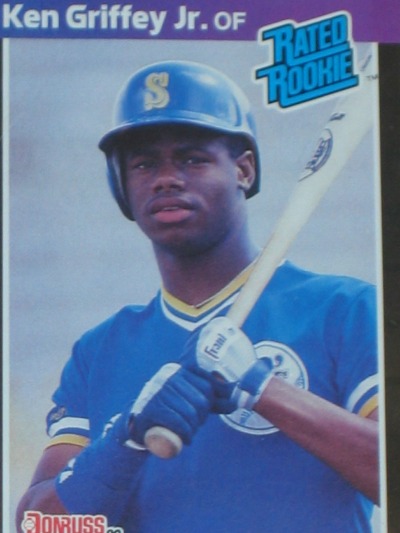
[168, 176]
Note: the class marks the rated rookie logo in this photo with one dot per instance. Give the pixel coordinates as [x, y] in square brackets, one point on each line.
[36, 522]
[309, 60]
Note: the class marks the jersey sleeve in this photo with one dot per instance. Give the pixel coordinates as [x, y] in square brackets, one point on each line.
[68, 421]
[357, 363]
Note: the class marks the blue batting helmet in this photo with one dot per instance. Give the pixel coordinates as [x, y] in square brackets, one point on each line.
[178, 92]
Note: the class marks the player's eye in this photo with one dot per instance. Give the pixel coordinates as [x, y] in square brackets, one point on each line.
[195, 159]
[141, 164]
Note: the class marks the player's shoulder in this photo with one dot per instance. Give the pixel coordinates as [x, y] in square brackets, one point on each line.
[127, 319]
[324, 285]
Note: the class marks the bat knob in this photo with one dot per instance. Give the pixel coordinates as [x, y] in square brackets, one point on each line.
[162, 442]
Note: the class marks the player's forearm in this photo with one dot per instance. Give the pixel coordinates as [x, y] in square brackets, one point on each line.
[40, 497]
[346, 442]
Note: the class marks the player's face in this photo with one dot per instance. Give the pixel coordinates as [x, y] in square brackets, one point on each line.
[185, 189]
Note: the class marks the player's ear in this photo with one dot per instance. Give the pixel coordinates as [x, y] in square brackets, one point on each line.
[246, 166]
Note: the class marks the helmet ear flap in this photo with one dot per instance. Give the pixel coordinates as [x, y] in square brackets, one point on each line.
[116, 181]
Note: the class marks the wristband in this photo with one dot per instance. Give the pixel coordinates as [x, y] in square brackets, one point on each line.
[250, 388]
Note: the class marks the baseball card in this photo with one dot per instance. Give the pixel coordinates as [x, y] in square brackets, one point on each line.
[200, 278]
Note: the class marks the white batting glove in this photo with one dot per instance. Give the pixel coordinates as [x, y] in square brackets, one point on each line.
[224, 351]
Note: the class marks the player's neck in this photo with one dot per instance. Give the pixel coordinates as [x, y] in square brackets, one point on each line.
[196, 278]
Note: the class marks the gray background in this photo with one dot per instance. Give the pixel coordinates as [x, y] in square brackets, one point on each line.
[74, 259]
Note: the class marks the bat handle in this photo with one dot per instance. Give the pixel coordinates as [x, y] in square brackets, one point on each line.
[162, 442]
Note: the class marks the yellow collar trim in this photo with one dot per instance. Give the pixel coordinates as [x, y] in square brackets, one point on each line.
[215, 300]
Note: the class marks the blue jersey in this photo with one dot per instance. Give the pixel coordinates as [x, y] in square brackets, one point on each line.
[240, 474]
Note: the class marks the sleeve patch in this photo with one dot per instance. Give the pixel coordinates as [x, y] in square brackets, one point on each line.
[59, 422]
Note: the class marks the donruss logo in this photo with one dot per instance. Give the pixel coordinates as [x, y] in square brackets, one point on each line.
[36, 522]
[309, 60]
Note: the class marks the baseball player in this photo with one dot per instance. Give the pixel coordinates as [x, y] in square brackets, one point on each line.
[278, 420]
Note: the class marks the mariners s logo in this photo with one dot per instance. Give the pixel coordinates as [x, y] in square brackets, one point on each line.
[286, 365]
[156, 95]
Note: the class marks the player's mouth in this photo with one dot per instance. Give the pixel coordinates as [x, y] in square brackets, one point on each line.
[170, 210]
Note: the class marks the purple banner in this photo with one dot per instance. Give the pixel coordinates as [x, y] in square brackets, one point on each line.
[373, 20]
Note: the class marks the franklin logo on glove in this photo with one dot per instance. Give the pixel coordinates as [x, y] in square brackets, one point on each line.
[215, 349]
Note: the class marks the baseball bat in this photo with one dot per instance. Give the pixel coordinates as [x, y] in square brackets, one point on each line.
[349, 122]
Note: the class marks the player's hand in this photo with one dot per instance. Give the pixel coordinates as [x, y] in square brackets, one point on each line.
[175, 398]
[227, 355]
